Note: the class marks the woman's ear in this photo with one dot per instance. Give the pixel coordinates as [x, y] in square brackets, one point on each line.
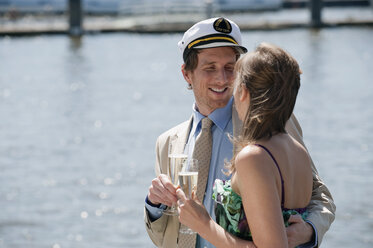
[244, 93]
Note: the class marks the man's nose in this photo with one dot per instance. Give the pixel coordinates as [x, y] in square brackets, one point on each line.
[222, 77]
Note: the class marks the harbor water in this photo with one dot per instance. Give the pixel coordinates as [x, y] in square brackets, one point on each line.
[79, 120]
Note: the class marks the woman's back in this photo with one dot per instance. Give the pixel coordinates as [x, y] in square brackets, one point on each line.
[295, 167]
[271, 176]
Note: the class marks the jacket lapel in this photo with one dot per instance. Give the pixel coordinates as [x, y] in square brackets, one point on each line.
[182, 136]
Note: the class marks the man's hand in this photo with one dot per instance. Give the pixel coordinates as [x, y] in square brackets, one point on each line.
[162, 191]
[299, 232]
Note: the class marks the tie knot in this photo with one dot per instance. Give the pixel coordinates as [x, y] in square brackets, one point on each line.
[206, 123]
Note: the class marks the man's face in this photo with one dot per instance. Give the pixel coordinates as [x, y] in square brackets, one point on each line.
[212, 79]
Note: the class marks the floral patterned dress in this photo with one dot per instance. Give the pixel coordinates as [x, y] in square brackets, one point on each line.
[231, 215]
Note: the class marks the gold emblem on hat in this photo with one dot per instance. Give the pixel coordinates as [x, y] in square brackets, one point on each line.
[222, 25]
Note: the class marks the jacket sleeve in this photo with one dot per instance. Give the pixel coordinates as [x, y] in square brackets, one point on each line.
[156, 228]
[321, 208]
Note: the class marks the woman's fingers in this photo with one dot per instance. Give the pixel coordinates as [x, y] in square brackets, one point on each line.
[181, 196]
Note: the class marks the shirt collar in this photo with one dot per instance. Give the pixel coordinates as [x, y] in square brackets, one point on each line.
[220, 117]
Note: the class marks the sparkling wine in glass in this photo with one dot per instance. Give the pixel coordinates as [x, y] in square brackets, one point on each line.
[188, 178]
[176, 159]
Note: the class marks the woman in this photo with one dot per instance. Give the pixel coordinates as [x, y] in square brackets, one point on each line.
[271, 174]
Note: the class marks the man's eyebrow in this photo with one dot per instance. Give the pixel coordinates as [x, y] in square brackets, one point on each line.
[214, 62]
[207, 63]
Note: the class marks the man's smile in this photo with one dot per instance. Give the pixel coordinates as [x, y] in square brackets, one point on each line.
[217, 90]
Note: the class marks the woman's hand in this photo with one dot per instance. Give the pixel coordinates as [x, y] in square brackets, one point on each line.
[192, 213]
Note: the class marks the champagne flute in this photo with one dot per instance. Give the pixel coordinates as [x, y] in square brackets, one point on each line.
[188, 178]
[176, 158]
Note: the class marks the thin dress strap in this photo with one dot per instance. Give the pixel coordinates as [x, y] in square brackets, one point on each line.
[282, 180]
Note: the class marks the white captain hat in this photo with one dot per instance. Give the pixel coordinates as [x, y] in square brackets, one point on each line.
[214, 32]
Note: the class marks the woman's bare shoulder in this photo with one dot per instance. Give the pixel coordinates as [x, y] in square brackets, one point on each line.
[250, 158]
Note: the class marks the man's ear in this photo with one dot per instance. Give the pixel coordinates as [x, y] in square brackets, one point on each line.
[186, 74]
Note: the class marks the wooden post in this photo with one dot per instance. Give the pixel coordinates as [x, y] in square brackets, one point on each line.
[315, 8]
[75, 18]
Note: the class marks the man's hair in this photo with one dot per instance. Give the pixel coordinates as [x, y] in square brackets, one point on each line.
[191, 61]
[272, 78]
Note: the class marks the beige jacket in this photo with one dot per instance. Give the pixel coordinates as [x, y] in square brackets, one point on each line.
[164, 231]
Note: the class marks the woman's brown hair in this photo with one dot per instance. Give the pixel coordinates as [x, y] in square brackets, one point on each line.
[272, 78]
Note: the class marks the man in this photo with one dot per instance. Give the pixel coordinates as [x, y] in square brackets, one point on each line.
[210, 49]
